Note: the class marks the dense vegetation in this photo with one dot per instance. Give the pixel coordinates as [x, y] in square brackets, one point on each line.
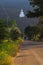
[37, 8]
[10, 35]
[35, 32]
[10, 39]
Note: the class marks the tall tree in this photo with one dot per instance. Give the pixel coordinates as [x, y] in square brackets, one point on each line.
[4, 29]
[30, 31]
[37, 12]
[37, 8]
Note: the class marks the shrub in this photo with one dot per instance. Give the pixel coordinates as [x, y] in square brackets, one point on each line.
[36, 37]
[30, 31]
[5, 59]
[20, 40]
[15, 33]
[11, 47]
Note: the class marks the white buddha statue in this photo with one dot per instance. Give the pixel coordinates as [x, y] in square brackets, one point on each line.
[21, 14]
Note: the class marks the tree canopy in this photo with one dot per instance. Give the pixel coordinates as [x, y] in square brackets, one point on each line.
[4, 29]
[30, 31]
[37, 8]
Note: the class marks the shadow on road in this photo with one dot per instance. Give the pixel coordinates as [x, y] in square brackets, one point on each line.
[31, 44]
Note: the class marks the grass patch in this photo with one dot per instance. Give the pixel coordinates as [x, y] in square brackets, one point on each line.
[8, 50]
[5, 59]
[10, 47]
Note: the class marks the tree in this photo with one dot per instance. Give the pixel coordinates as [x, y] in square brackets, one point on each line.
[38, 8]
[40, 25]
[31, 31]
[2, 29]
[15, 33]
[12, 23]
[37, 12]
[28, 31]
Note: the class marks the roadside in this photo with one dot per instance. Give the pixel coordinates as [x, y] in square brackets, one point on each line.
[30, 54]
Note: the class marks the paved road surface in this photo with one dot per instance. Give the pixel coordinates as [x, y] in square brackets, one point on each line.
[31, 53]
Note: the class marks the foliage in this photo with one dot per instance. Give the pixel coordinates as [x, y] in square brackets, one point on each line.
[20, 40]
[36, 37]
[12, 23]
[15, 33]
[3, 31]
[10, 39]
[37, 11]
[8, 50]
[30, 31]
[5, 59]
[40, 25]
[37, 8]
[10, 47]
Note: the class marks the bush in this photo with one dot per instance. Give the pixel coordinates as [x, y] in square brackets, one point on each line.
[36, 37]
[32, 31]
[11, 47]
[15, 34]
[20, 40]
[5, 59]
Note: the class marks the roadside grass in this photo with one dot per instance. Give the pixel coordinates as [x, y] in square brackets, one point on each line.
[8, 49]
[5, 59]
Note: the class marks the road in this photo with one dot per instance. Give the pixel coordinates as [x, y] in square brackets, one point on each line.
[31, 53]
